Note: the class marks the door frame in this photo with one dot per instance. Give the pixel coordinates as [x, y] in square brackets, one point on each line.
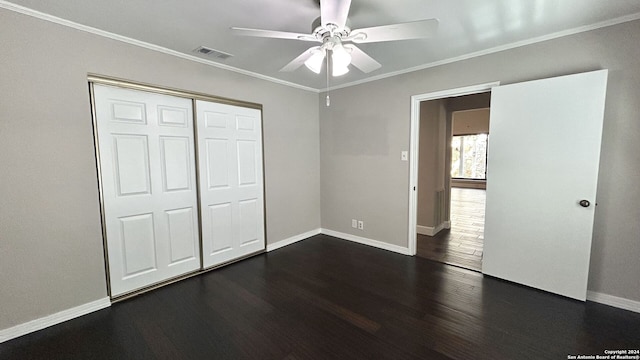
[414, 148]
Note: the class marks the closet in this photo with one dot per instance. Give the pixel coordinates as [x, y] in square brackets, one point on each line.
[181, 182]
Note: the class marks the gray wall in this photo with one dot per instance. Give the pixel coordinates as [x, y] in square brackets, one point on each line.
[51, 255]
[468, 102]
[367, 126]
[470, 122]
[431, 166]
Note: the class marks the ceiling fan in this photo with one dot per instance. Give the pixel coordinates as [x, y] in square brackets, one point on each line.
[331, 30]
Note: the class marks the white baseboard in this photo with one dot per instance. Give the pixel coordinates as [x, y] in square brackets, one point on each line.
[432, 231]
[614, 301]
[365, 241]
[53, 319]
[291, 240]
[425, 230]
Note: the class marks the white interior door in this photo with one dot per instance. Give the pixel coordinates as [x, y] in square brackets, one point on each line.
[146, 146]
[544, 151]
[231, 185]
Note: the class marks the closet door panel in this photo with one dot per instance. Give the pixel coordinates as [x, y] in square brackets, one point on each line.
[138, 243]
[248, 220]
[176, 163]
[147, 162]
[217, 164]
[231, 187]
[219, 232]
[131, 156]
[182, 235]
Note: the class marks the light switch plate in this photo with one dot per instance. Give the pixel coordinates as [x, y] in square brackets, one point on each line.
[404, 156]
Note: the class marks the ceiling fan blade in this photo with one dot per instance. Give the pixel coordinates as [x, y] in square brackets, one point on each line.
[272, 34]
[334, 12]
[361, 60]
[404, 31]
[299, 61]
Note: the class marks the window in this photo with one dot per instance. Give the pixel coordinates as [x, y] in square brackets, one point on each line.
[469, 157]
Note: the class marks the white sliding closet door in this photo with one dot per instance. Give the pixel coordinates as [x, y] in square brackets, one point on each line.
[146, 146]
[231, 186]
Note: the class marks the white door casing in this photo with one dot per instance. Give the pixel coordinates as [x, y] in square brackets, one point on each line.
[543, 159]
[146, 148]
[231, 181]
[414, 145]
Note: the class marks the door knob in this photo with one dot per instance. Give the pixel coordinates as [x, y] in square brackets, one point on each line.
[584, 203]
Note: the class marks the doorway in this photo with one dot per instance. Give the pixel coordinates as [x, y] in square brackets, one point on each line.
[452, 179]
[539, 236]
[438, 193]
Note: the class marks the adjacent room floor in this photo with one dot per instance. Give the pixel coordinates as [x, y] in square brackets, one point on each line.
[462, 244]
[326, 298]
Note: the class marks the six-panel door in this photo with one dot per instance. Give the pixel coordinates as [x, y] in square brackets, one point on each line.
[147, 163]
[231, 185]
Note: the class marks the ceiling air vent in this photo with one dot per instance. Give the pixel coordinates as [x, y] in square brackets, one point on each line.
[209, 52]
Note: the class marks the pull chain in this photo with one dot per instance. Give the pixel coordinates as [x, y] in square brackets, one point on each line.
[328, 100]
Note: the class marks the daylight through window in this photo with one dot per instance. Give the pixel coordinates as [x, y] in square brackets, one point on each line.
[469, 157]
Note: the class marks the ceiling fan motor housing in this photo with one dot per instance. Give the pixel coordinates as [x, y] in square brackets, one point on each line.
[330, 30]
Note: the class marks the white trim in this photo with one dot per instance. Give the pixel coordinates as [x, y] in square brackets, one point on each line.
[621, 303]
[513, 45]
[415, 142]
[53, 319]
[432, 230]
[425, 230]
[54, 19]
[366, 241]
[293, 239]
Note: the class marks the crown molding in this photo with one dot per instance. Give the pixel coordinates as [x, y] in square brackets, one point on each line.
[54, 19]
[517, 44]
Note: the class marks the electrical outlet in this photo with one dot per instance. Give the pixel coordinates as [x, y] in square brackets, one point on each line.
[354, 223]
[361, 225]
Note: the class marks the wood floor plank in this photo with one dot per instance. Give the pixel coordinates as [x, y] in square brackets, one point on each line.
[327, 298]
[461, 245]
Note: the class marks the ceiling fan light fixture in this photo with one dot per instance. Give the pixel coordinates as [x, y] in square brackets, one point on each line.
[331, 30]
[340, 57]
[339, 70]
[314, 63]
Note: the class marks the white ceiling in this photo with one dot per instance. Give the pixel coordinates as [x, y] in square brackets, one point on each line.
[466, 27]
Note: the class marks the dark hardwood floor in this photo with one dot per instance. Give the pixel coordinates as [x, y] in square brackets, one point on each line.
[462, 244]
[325, 298]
